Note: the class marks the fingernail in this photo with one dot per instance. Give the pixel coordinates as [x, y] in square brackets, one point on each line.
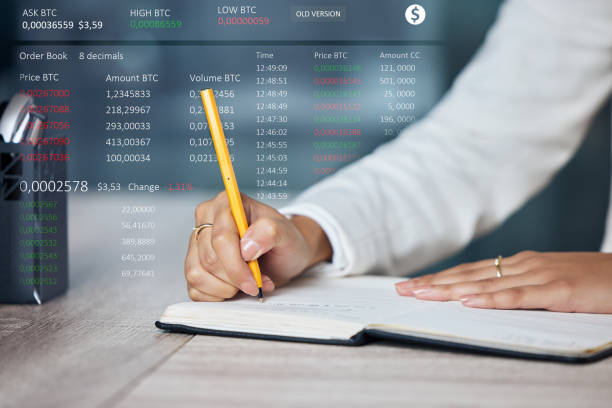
[403, 290]
[249, 287]
[422, 292]
[250, 249]
[472, 301]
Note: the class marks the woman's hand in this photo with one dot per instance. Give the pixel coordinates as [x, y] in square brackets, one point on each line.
[215, 266]
[562, 282]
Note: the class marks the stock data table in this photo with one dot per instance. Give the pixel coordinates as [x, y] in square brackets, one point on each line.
[302, 91]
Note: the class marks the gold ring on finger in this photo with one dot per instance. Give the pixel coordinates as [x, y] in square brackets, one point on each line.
[196, 230]
[498, 266]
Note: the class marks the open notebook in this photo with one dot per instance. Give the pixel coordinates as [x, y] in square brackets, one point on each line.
[355, 310]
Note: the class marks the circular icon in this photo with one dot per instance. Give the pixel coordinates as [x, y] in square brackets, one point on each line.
[415, 14]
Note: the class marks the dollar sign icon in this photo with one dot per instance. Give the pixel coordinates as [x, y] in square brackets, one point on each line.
[415, 14]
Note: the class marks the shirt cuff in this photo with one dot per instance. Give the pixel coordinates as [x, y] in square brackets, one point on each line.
[343, 255]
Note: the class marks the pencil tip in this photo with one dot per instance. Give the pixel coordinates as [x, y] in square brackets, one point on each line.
[260, 295]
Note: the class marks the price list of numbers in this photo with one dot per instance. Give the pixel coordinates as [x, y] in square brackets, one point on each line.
[292, 113]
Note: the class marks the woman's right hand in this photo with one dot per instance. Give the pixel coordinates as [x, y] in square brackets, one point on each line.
[216, 263]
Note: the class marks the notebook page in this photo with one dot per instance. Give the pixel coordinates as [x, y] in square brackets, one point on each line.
[308, 307]
[528, 330]
[372, 299]
[537, 329]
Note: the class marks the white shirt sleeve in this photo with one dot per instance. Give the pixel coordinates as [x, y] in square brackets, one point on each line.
[513, 117]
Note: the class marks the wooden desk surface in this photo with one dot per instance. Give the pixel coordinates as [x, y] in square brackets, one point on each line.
[96, 346]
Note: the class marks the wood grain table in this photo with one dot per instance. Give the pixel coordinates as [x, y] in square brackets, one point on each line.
[97, 346]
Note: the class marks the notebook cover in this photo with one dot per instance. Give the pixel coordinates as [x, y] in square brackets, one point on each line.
[367, 335]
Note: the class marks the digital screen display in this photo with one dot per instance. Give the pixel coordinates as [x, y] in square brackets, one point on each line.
[302, 90]
[120, 85]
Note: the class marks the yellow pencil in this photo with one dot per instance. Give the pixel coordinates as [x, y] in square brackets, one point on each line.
[227, 172]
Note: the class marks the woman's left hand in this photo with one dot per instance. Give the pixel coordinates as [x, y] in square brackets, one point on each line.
[557, 281]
